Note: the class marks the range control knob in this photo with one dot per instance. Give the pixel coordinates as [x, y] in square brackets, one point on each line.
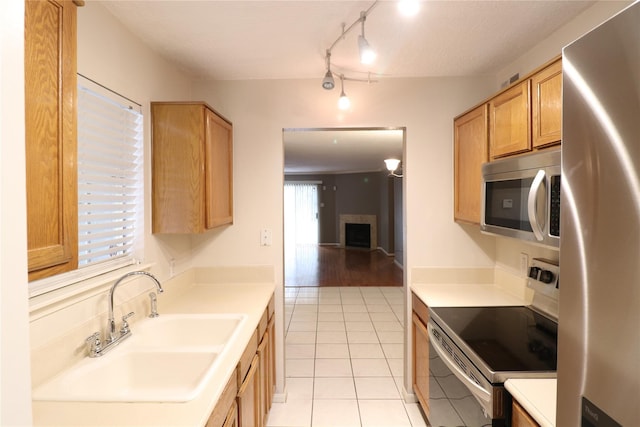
[546, 276]
[533, 272]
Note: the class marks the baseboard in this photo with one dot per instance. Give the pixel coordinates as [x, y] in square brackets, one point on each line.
[409, 397]
[280, 397]
[384, 251]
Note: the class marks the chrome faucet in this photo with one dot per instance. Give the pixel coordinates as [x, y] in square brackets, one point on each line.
[96, 346]
[112, 323]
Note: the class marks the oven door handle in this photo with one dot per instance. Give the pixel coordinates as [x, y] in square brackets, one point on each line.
[476, 389]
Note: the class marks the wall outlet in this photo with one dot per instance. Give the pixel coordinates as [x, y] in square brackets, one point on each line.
[524, 264]
[266, 237]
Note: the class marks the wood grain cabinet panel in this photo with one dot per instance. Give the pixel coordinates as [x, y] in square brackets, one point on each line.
[249, 414]
[547, 105]
[51, 137]
[192, 155]
[420, 357]
[520, 417]
[471, 150]
[225, 412]
[510, 121]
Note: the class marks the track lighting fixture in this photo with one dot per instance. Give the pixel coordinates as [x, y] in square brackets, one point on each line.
[328, 83]
[367, 54]
[343, 103]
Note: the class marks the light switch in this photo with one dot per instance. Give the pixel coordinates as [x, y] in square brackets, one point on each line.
[265, 237]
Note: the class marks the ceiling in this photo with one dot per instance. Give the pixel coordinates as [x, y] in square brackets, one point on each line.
[340, 150]
[265, 39]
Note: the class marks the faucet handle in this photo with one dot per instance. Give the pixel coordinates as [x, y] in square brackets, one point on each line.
[124, 329]
[94, 344]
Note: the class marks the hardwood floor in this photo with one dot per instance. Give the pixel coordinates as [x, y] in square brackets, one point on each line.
[314, 265]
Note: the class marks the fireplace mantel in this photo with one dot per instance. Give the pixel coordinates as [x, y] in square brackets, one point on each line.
[359, 219]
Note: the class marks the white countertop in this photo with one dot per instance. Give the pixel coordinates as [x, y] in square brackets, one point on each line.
[250, 299]
[464, 295]
[537, 397]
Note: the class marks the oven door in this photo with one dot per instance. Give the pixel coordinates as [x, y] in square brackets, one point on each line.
[489, 396]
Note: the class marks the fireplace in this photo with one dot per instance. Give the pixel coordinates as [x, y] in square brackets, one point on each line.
[357, 235]
[359, 224]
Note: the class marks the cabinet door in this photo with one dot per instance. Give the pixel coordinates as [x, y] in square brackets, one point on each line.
[249, 397]
[510, 121]
[470, 151]
[421, 363]
[177, 162]
[219, 171]
[51, 133]
[520, 417]
[225, 411]
[263, 371]
[547, 105]
[271, 385]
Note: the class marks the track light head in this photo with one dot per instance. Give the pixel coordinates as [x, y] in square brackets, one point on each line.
[328, 83]
[367, 55]
[344, 102]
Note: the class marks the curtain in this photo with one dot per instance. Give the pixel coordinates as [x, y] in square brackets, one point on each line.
[300, 214]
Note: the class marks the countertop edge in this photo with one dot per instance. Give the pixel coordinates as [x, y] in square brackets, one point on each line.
[533, 395]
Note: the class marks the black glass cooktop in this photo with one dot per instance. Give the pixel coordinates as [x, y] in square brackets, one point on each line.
[505, 338]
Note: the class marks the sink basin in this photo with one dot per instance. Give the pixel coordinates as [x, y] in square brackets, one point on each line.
[166, 359]
[186, 330]
[132, 376]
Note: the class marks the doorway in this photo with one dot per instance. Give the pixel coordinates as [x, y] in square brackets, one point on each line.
[346, 168]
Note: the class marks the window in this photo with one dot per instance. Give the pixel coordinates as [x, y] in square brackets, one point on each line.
[110, 185]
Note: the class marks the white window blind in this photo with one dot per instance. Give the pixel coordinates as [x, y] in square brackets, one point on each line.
[110, 179]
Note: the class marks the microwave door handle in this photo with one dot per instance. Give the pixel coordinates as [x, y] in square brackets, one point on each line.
[532, 205]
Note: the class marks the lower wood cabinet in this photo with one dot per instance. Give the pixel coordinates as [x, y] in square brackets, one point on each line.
[249, 408]
[420, 356]
[225, 414]
[520, 417]
[256, 373]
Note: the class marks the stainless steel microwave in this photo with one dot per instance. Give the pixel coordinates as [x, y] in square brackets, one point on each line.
[521, 197]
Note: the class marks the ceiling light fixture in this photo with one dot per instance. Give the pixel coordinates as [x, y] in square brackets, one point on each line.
[392, 165]
[367, 54]
[328, 83]
[343, 103]
[409, 7]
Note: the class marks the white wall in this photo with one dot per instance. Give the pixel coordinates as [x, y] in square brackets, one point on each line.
[261, 109]
[15, 389]
[112, 56]
[552, 45]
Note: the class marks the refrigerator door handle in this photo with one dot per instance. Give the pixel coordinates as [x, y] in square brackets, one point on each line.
[533, 205]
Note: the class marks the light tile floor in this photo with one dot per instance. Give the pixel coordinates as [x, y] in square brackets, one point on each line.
[344, 366]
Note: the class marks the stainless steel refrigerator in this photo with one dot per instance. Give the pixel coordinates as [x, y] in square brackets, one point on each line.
[599, 322]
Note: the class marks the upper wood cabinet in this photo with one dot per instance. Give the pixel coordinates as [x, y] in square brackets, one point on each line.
[510, 121]
[51, 137]
[470, 152]
[547, 105]
[192, 154]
